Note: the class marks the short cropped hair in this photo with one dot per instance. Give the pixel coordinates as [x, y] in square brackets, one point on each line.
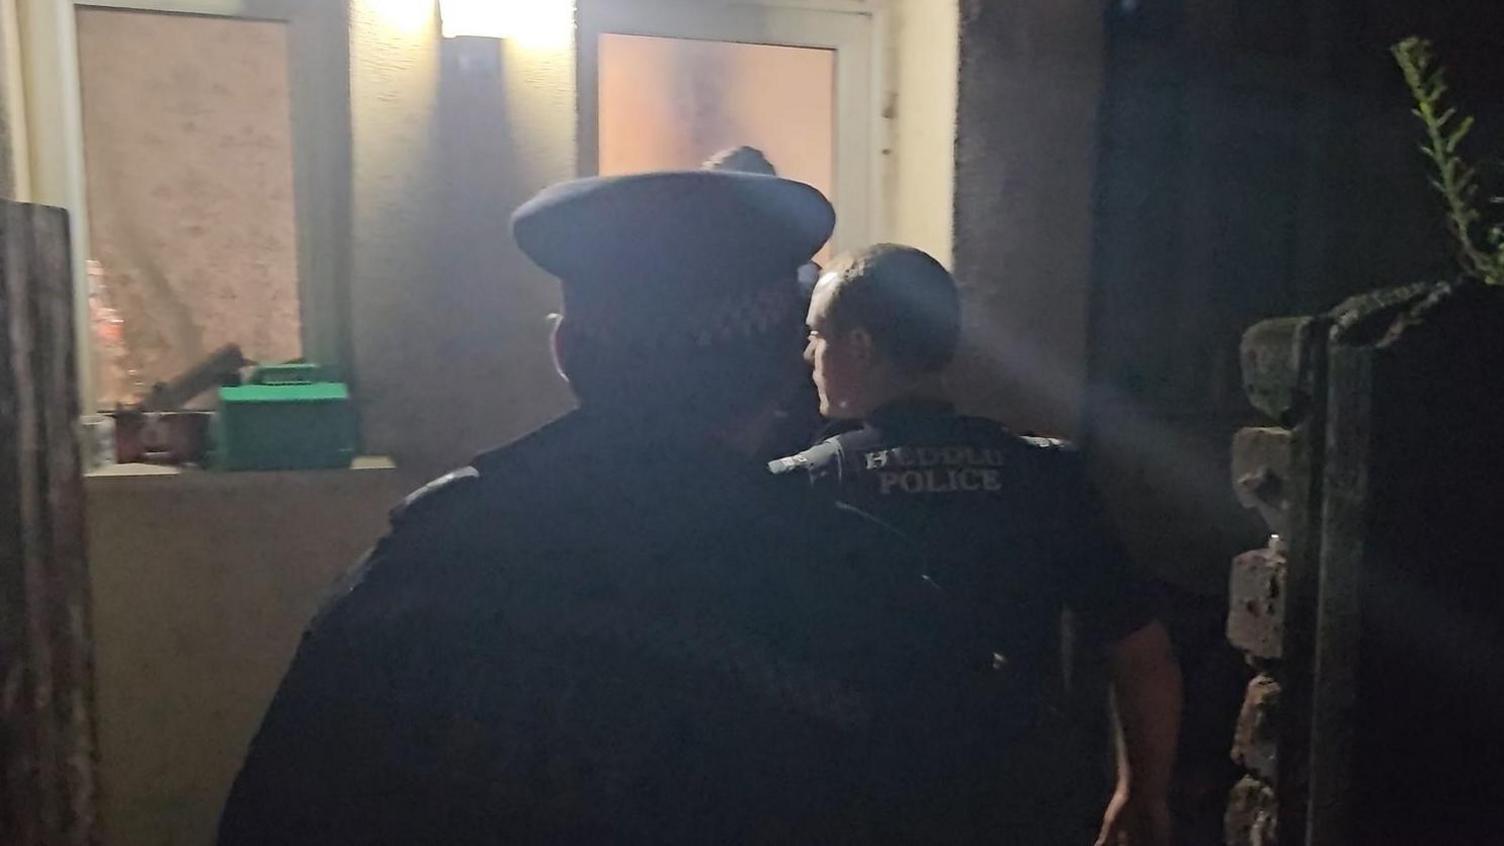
[741, 159]
[904, 298]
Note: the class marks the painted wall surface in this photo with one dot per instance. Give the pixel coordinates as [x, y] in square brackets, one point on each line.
[1030, 81]
[15, 175]
[922, 155]
[448, 318]
[201, 586]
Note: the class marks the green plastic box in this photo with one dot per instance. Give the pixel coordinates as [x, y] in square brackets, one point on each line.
[284, 420]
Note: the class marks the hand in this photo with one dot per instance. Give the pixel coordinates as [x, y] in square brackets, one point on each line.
[1133, 820]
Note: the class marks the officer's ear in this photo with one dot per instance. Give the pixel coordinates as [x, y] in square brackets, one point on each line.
[859, 342]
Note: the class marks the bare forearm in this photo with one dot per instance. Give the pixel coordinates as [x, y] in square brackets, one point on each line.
[1147, 697]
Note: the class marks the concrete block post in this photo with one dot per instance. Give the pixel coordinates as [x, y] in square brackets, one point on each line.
[1272, 591]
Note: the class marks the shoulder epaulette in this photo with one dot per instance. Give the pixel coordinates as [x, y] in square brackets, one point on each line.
[814, 457]
[1048, 443]
[426, 499]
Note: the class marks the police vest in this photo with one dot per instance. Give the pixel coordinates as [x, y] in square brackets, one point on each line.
[1008, 522]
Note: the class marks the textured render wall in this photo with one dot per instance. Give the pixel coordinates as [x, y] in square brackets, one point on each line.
[201, 586]
[922, 156]
[1030, 79]
[15, 181]
[396, 203]
[507, 136]
[448, 318]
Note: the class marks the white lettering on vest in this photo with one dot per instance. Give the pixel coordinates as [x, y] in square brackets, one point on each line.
[969, 479]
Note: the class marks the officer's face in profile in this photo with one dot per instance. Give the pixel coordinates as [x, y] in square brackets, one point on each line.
[841, 358]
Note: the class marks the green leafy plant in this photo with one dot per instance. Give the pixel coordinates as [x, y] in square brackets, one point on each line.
[1455, 179]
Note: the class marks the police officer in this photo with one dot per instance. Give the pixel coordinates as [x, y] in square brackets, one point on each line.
[797, 418]
[1007, 519]
[620, 629]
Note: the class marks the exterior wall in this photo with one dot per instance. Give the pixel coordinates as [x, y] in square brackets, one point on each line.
[15, 176]
[922, 159]
[1030, 80]
[201, 586]
[448, 318]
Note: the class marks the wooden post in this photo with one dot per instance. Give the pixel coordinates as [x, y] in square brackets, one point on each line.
[1377, 627]
[47, 766]
[1410, 636]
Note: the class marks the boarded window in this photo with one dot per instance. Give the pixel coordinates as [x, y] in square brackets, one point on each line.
[189, 166]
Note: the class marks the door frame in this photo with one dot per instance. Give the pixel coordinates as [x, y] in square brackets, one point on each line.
[854, 33]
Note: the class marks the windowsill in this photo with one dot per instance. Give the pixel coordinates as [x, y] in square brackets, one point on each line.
[365, 469]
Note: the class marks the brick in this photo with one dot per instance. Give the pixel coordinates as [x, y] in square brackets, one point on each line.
[1254, 740]
[1273, 355]
[1256, 603]
[1252, 814]
[1261, 474]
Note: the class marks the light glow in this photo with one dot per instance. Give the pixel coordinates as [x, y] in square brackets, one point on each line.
[528, 22]
[404, 17]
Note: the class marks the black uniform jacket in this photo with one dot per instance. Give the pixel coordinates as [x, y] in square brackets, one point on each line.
[1009, 525]
[606, 633]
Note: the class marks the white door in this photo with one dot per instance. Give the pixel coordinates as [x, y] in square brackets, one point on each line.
[667, 83]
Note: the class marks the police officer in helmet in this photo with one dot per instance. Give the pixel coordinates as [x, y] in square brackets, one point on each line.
[621, 629]
[1008, 520]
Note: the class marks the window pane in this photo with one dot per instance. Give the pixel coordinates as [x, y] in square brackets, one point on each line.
[188, 157]
[673, 102]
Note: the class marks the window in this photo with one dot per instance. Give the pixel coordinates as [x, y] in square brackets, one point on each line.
[666, 83]
[202, 147]
[187, 137]
[671, 103]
